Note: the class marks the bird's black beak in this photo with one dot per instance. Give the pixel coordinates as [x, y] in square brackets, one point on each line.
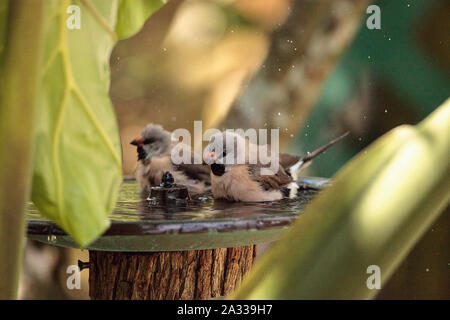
[137, 142]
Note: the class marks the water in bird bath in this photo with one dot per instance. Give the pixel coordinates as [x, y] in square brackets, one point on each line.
[201, 208]
[140, 224]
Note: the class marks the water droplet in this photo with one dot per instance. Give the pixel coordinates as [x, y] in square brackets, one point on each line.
[51, 238]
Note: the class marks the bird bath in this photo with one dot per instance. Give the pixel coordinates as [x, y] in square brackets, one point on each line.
[194, 249]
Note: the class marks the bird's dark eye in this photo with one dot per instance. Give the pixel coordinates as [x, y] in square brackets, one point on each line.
[224, 154]
[148, 141]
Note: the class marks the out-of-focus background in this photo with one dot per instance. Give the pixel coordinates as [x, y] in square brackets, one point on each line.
[310, 68]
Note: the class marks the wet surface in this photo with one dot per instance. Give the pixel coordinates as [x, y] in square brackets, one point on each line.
[134, 216]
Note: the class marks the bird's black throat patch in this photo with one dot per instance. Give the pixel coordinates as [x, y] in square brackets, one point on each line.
[141, 153]
[285, 191]
[218, 169]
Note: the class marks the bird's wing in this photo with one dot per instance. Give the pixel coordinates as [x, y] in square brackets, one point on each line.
[194, 171]
[269, 182]
[288, 160]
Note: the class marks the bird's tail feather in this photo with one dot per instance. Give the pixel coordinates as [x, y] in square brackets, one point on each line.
[306, 160]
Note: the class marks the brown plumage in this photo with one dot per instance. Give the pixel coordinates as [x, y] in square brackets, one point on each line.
[245, 181]
[154, 148]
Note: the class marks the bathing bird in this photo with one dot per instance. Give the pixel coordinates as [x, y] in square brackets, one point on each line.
[236, 177]
[154, 147]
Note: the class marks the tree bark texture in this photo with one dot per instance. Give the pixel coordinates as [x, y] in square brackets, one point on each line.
[195, 274]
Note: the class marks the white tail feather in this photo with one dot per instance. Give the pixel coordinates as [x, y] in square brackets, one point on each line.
[294, 170]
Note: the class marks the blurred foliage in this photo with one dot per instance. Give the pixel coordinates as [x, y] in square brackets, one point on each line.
[303, 51]
[78, 165]
[3, 23]
[423, 274]
[378, 207]
[77, 153]
[392, 76]
[19, 73]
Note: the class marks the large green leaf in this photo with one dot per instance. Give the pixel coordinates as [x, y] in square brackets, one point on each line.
[77, 164]
[380, 204]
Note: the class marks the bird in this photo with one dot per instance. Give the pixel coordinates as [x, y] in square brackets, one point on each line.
[154, 147]
[245, 181]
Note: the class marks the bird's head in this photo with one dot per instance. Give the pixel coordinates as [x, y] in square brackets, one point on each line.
[153, 142]
[224, 151]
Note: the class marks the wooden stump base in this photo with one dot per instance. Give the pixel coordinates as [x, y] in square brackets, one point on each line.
[196, 274]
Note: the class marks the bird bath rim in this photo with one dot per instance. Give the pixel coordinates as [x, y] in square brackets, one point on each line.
[139, 226]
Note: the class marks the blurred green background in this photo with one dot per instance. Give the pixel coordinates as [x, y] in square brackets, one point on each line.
[392, 76]
[310, 68]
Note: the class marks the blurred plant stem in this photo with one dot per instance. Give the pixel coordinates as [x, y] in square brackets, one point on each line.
[19, 71]
[379, 206]
[304, 51]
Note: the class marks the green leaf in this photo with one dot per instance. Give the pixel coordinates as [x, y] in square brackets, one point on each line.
[133, 14]
[3, 22]
[380, 204]
[19, 76]
[78, 163]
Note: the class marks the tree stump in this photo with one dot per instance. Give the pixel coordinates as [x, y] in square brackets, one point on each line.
[172, 275]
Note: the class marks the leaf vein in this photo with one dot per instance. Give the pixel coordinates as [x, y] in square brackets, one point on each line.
[95, 122]
[99, 18]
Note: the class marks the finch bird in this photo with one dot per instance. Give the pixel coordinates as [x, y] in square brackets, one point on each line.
[154, 148]
[252, 181]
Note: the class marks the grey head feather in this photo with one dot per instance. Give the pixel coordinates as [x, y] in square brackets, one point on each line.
[156, 140]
